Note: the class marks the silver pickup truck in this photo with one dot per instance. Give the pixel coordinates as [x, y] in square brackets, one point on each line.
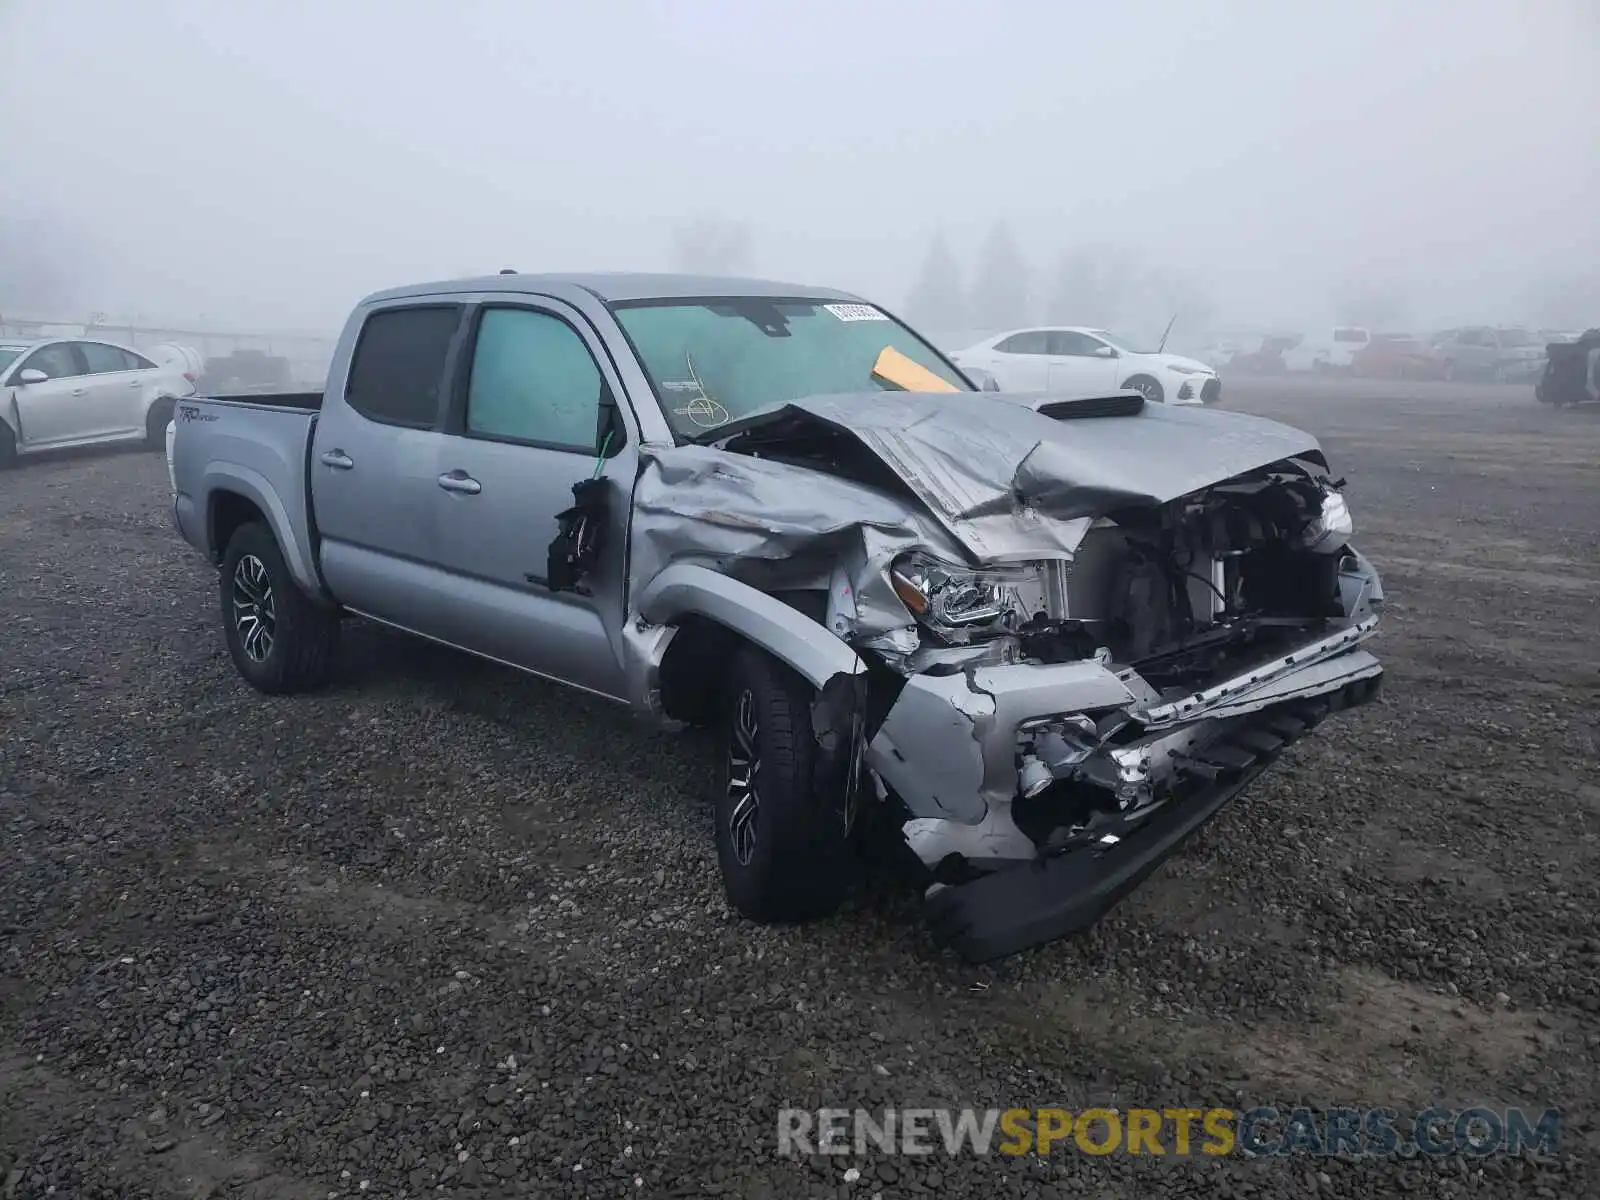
[1039, 638]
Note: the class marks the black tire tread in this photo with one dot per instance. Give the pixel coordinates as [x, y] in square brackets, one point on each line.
[801, 868]
[307, 634]
[155, 423]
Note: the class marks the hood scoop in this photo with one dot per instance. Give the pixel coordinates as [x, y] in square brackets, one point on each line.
[1120, 404]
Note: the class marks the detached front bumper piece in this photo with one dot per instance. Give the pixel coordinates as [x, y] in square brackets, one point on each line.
[1050, 897]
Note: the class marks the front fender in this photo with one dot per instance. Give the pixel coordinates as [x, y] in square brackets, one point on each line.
[256, 488]
[685, 589]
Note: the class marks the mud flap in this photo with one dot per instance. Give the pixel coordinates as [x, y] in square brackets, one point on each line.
[577, 545]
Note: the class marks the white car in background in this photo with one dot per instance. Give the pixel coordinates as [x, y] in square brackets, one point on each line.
[1331, 351]
[1077, 359]
[62, 392]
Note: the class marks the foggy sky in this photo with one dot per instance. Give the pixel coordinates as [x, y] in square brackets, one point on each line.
[270, 161]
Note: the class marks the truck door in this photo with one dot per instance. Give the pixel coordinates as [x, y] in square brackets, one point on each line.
[373, 472]
[527, 424]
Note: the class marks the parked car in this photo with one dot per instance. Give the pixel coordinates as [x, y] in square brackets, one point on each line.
[1267, 357]
[1075, 359]
[1483, 353]
[1332, 351]
[1397, 356]
[1040, 639]
[61, 392]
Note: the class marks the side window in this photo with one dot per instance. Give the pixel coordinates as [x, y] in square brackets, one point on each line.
[57, 361]
[1031, 341]
[136, 362]
[397, 371]
[101, 358]
[533, 380]
[1066, 344]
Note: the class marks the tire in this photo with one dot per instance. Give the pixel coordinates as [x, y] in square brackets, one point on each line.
[1147, 387]
[155, 423]
[8, 447]
[783, 844]
[257, 595]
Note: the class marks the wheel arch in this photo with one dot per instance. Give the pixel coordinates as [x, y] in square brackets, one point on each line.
[713, 614]
[236, 494]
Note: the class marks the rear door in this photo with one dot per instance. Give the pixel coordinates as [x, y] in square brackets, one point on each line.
[55, 412]
[373, 465]
[1076, 363]
[117, 382]
[528, 421]
[1021, 362]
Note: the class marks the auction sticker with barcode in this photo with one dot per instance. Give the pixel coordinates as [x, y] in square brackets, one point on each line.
[855, 312]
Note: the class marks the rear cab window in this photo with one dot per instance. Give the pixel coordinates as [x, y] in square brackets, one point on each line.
[397, 372]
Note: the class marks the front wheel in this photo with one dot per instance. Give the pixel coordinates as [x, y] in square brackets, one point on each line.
[782, 833]
[280, 640]
[1149, 388]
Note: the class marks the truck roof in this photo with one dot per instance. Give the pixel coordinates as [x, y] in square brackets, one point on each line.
[619, 286]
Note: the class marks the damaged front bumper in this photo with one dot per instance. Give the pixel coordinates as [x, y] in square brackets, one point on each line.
[968, 753]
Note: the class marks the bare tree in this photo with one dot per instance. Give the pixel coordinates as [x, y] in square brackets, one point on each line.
[1093, 286]
[711, 245]
[1183, 299]
[1000, 289]
[937, 301]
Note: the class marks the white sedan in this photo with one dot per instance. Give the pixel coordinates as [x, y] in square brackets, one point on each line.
[1075, 359]
[66, 392]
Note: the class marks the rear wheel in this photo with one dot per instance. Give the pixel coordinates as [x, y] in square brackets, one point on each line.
[155, 423]
[280, 640]
[783, 841]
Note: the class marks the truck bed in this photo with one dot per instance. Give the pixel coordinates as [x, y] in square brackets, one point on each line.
[300, 401]
[253, 447]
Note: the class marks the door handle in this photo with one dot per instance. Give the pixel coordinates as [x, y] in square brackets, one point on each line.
[136, 383]
[460, 481]
[78, 391]
[338, 459]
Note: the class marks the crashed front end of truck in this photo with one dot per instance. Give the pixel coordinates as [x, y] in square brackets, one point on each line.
[1084, 625]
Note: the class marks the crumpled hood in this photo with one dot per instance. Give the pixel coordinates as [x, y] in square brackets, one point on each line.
[1009, 482]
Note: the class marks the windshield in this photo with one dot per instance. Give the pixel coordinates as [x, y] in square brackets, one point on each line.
[1126, 345]
[8, 355]
[712, 361]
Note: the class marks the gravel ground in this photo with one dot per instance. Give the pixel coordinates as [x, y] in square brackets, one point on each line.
[444, 928]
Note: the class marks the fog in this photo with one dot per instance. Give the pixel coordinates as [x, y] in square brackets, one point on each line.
[1265, 164]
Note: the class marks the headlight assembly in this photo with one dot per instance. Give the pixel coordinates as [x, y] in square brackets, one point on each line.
[1328, 530]
[959, 602]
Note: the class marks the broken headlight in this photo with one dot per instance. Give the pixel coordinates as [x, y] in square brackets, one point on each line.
[959, 602]
[1330, 527]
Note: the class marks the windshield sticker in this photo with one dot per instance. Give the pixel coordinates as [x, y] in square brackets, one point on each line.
[855, 312]
[704, 412]
[681, 385]
[895, 368]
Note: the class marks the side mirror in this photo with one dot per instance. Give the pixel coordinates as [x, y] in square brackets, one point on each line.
[32, 375]
[1105, 352]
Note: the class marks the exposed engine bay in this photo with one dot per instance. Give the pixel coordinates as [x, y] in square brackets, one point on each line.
[1226, 589]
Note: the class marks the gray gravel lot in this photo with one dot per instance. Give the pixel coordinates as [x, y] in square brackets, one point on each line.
[445, 928]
